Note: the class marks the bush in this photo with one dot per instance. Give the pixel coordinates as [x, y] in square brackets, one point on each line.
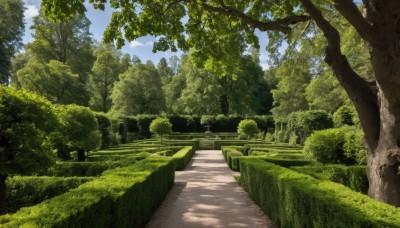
[122, 197]
[27, 191]
[336, 145]
[345, 115]
[306, 122]
[143, 124]
[248, 128]
[292, 199]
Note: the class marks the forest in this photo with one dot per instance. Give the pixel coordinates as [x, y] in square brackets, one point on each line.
[324, 109]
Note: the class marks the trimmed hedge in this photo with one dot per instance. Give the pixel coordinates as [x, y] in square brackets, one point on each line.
[183, 157]
[122, 197]
[354, 177]
[82, 169]
[285, 162]
[24, 191]
[292, 199]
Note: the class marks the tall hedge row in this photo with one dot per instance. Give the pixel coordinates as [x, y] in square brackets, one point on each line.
[122, 197]
[292, 199]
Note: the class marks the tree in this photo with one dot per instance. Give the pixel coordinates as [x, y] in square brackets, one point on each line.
[161, 126]
[68, 41]
[26, 123]
[138, 91]
[79, 131]
[53, 80]
[105, 72]
[164, 70]
[376, 22]
[11, 31]
[248, 128]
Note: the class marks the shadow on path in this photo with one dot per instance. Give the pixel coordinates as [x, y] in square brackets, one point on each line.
[206, 194]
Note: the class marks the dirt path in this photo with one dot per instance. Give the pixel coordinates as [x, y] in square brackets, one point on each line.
[207, 195]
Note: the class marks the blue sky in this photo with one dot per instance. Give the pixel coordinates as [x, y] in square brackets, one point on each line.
[141, 47]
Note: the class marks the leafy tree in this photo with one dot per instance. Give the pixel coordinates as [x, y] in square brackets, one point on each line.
[124, 63]
[26, 123]
[164, 70]
[138, 91]
[79, 131]
[11, 31]
[17, 63]
[216, 30]
[68, 41]
[105, 72]
[248, 128]
[161, 126]
[289, 95]
[345, 115]
[53, 80]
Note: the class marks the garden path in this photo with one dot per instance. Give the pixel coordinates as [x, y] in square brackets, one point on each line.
[206, 194]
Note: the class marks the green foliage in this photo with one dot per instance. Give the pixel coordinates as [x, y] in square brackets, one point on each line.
[183, 157]
[160, 126]
[122, 197]
[68, 41]
[307, 122]
[336, 145]
[25, 191]
[26, 123]
[138, 91]
[106, 130]
[292, 199]
[105, 72]
[248, 128]
[207, 120]
[11, 32]
[345, 115]
[79, 128]
[53, 80]
[79, 169]
[354, 177]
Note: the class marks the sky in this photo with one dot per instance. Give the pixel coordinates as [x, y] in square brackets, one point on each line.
[141, 47]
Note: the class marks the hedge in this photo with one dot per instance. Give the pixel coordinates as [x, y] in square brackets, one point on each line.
[183, 157]
[354, 177]
[292, 199]
[285, 162]
[24, 191]
[82, 169]
[122, 197]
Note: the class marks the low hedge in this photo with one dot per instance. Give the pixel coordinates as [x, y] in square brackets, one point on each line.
[122, 197]
[292, 199]
[285, 162]
[24, 191]
[354, 177]
[183, 157]
[82, 169]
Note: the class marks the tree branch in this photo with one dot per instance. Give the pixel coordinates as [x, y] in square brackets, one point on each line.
[361, 92]
[281, 25]
[350, 11]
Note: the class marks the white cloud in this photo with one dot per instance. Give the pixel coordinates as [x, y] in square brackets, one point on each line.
[135, 44]
[264, 66]
[31, 11]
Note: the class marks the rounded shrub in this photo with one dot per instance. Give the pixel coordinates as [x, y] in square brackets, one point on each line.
[336, 145]
[248, 128]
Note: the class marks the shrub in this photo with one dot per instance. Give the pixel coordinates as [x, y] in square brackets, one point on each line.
[248, 128]
[160, 126]
[292, 199]
[306, 122]
[345, 115]
[24, 191]
[336, 145]
[143, 124]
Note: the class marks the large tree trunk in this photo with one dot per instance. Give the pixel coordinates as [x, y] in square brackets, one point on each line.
[3, 205]
[378, 101]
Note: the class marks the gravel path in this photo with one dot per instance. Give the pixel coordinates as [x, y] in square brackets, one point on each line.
[206, 194]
